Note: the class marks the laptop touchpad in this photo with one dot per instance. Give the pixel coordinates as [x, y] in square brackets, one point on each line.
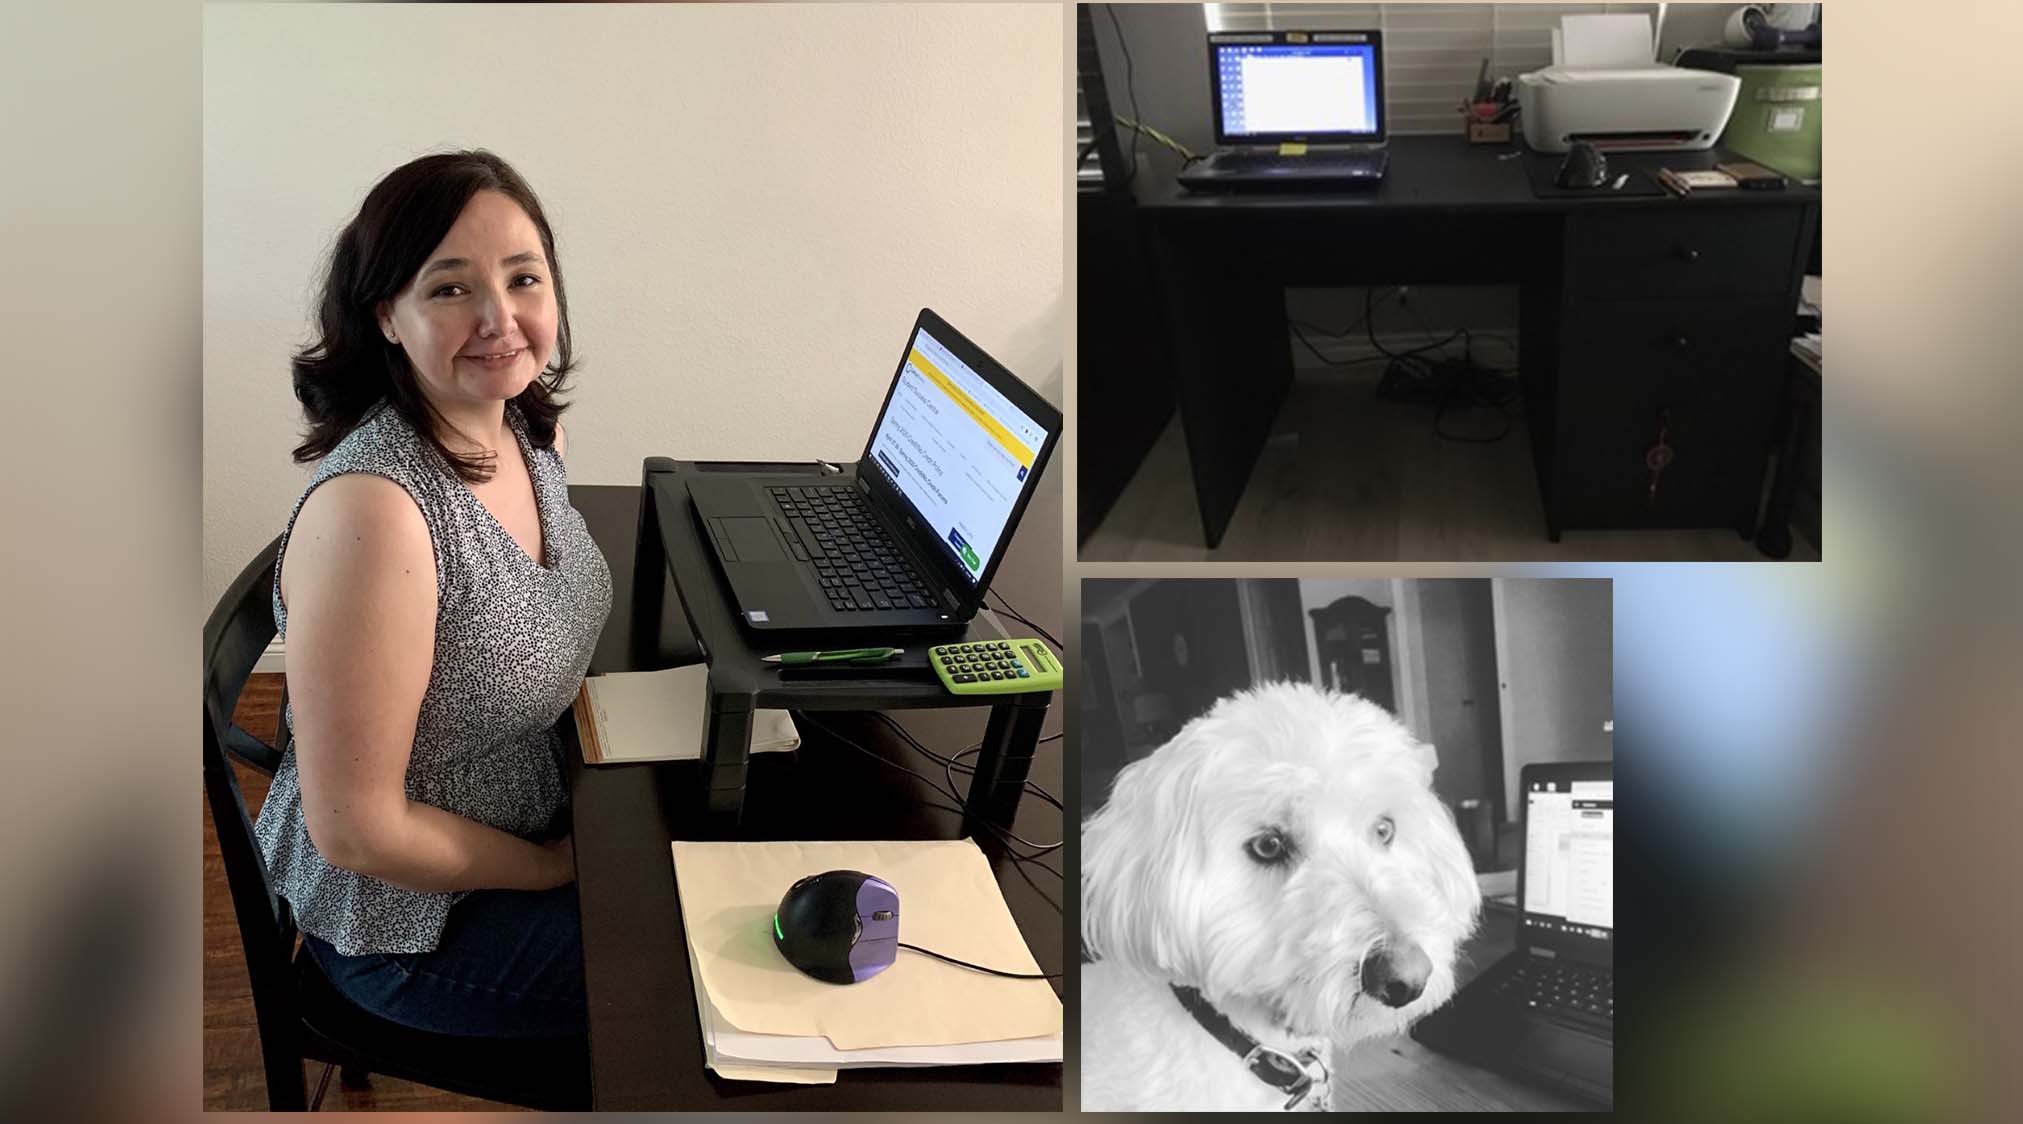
[752, 538]
[1566, 1051]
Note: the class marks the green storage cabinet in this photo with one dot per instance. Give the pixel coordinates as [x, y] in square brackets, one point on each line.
[1776, 117]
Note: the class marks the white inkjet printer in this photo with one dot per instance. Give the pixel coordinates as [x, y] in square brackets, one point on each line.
[1605, 87]
[1630, 109]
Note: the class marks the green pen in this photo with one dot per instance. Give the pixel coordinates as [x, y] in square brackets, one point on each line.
[844, 655]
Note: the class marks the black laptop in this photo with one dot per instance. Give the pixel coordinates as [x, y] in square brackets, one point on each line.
[1294, 109]
[910, 542]
[1547, 1012]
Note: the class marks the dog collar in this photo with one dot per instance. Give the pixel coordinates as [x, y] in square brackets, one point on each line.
[1289, 1074]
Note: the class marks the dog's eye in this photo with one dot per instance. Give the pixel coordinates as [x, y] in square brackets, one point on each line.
[1268, 847]
[1384, 830]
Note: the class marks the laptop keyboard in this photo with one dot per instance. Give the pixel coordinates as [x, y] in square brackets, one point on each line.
[1352, 164]
[1582, 991]
[833, 530]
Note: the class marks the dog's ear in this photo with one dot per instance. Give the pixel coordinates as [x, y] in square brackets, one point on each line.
[1134, 850]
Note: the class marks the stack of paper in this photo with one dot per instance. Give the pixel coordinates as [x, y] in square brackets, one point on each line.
[762, 1020]
[1611, 41]
[660, 716]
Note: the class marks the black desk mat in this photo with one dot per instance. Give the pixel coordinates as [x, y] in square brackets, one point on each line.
[1541, 167]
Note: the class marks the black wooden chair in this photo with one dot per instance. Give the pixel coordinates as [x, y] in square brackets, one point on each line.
[301, 1015]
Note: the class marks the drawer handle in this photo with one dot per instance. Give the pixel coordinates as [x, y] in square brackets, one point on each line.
[1688, 254]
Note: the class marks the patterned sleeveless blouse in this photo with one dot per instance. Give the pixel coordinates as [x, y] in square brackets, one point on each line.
[513, 639]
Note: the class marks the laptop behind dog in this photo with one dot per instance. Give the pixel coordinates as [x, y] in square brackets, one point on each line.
[1547, 1011]
[1294, 109]
[912, 541]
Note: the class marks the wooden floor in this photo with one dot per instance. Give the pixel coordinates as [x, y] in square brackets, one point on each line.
[1346, 477]
[233, 1074]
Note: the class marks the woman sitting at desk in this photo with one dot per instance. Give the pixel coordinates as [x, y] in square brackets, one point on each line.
[440, 599]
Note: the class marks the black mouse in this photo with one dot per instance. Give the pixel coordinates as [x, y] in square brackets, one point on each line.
[840, 926]
[1583, 167]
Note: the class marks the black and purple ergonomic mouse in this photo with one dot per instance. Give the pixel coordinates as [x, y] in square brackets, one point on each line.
[840, 926]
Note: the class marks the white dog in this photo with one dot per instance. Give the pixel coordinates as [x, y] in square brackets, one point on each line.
[1277, 880]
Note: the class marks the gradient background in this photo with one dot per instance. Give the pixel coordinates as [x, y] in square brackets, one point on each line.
[1823, 759]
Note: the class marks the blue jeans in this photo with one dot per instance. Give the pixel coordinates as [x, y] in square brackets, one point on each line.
[510, 965]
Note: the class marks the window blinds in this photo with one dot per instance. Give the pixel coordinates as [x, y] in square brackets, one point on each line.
[1432, 52]
[1090, 171]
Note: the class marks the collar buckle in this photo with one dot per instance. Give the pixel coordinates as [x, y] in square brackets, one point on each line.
[1293, 1076]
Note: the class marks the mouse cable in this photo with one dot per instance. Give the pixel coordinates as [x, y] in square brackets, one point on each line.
[1019, 862]
[1022, 619]
[979, 967]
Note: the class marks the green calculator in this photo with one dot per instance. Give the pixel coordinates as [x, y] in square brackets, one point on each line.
[996, 667]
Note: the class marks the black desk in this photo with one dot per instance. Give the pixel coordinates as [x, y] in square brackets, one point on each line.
[1635, 312]
[645, 1043]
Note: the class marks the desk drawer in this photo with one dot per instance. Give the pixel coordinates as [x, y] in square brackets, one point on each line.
[1708, 371]
[1684, 252]
[1689, 342]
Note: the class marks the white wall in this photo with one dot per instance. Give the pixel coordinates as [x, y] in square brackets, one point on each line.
[1555, 660]
[750, 204]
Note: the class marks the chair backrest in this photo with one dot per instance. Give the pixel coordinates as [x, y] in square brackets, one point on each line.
[237, 632]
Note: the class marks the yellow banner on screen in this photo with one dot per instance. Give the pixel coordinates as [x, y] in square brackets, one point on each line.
[990, 424]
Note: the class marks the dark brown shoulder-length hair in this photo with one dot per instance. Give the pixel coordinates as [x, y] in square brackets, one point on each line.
[352, 366]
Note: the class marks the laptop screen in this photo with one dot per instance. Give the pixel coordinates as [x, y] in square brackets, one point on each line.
[1570, 857]
[1326, 86]
[956, 449]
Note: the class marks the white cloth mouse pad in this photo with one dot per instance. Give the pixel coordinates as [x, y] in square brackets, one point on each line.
[948, 902]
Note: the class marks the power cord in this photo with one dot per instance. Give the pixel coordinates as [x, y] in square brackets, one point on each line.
[1299, 331]
[1448, 385]
[950, 765]
[1130, 89]
[952, 762]
[979, 967]
[1005, 835]
[1024, 620]
[1187, 155]
[1370, 328]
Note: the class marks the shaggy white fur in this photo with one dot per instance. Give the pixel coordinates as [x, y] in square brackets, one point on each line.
[1260, 856]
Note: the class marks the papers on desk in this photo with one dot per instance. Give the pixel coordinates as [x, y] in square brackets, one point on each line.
[638, 716]
[762, 1020]
[1604, 41]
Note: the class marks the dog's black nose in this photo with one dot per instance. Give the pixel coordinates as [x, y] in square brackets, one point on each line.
[1395, 974]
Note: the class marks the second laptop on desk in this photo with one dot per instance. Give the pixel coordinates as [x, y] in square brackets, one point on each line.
[1547, 1012]
[912, 540]
[1295, 109]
